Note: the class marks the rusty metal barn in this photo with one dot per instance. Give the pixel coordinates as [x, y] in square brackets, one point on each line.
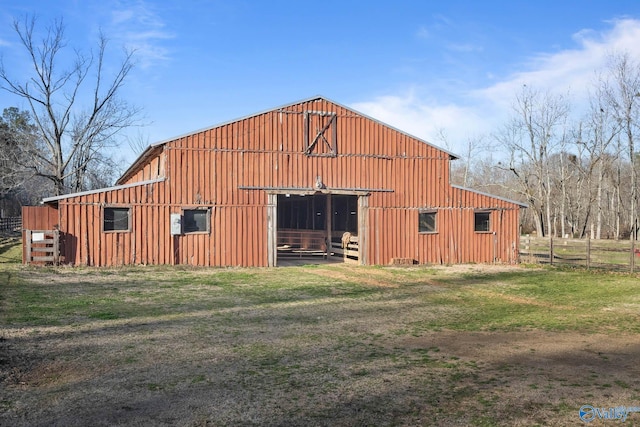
[309, 179]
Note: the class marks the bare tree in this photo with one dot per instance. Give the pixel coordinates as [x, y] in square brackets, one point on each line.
[622, 92]
[477, 152]
[73, 136]
[16, 142]
[601, 129]
[533, 135]
[138, 143]
[577, 178]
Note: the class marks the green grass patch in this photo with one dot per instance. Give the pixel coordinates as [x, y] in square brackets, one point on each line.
[10, 250]
[549, 299]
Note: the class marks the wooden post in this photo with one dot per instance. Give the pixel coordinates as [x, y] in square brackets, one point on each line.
[328, 223]
[345, 247]
[272, 230]
[632, 261]
[363, 228]
[28, 239]
[588, 252]
[377, 225]
[56, 247]
[550, 250]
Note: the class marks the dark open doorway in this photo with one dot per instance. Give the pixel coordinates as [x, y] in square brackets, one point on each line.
[317, 226]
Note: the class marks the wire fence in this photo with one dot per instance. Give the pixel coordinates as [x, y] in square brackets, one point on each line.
[617, 255]
[11, 224]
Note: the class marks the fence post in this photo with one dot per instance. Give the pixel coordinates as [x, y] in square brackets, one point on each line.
[550, 250]
[632, 261]
[588, 252]
[27, 236]
[56, 247]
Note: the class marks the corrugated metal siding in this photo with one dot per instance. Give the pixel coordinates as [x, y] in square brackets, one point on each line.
[214, 168]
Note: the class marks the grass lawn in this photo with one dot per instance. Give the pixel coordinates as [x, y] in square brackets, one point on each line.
[315, 345]
[10, 250]
[603, 254]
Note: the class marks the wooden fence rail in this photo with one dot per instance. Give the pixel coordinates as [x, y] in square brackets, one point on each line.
[348, 249]
[11, 224]
[301, 243]
[42, 246]
[304, 243]
[621, 255]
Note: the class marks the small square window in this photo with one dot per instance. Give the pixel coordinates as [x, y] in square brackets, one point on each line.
[195, 221]
[427, 222]
[116, 219]
[482, 221]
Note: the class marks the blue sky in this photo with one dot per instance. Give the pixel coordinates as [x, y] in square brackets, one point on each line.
[427, 67]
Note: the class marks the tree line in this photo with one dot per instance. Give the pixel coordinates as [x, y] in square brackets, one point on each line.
[577, 172]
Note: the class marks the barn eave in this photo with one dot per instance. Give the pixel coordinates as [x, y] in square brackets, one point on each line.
[56, 199]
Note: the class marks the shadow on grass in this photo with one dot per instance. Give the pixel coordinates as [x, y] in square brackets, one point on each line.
[131, 375]
[267, 348]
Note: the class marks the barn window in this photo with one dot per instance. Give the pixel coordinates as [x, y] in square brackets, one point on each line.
[427, 222]
[116, 219]
[482, 221]
[320, 134]
[196, 220]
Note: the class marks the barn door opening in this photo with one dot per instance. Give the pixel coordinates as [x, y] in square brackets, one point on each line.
[344, 227]
[302, 225]
[321, 226]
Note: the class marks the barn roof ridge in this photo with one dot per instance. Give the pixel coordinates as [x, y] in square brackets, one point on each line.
[150, 149]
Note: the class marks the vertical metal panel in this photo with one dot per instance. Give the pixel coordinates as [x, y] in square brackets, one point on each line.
[272, 225]
[363, 230]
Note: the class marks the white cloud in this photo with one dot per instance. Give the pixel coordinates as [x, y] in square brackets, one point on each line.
[571, 70]
[425, 119]
[486, 108]
[122, 16]
[141, 29]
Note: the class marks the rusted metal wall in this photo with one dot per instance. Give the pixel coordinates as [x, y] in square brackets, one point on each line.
[395, 234]
[232, 168]
[237, 232]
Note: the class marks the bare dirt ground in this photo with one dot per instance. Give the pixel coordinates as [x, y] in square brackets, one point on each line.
[532, 378]
[543, 372]
[326, 361]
